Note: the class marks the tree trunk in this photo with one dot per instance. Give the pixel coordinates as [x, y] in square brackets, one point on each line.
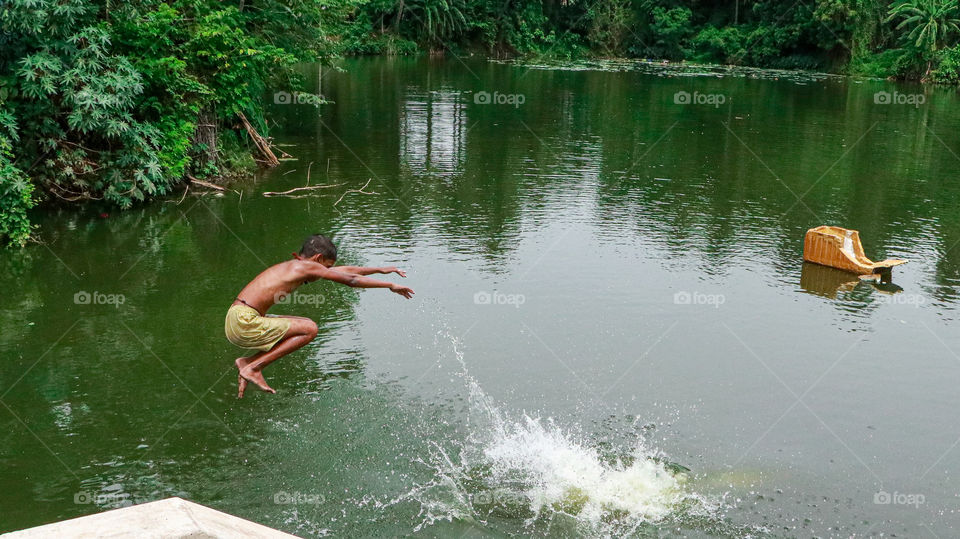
[206, 134]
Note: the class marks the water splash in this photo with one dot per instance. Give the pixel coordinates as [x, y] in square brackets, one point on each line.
[530, 471]
[559, 474]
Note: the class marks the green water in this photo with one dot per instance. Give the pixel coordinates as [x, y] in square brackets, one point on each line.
[647, 307]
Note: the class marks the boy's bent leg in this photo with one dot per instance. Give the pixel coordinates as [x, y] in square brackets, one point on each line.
[302, 331]
[241, 363]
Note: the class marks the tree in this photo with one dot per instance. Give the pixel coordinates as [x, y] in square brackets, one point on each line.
[930, 24]
[110, 100]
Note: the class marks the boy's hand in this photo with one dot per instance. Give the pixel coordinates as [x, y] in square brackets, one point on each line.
[404, 291]
[396, 270]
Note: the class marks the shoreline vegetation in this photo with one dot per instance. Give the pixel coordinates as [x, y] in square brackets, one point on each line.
[127, 101]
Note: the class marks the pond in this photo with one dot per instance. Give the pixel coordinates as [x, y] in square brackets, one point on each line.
[613, 332]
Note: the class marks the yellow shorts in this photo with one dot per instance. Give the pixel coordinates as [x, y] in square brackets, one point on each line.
[246, 328]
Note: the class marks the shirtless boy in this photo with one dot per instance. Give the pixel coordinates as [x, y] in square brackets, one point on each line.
[248, 326]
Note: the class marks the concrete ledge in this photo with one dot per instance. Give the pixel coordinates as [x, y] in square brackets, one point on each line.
[169, 518]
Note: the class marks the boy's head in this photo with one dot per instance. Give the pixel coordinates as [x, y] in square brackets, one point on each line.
[320, 249]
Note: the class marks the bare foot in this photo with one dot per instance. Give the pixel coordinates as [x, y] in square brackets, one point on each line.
[241, 362]
[249, 375]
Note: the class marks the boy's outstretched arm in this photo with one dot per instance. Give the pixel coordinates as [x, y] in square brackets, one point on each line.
[363, 270]
[359, 281]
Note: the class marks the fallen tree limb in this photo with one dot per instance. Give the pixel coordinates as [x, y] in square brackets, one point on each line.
[205, 184]
[361, 191]
[260, 142]
[185, 191]
[298, 189]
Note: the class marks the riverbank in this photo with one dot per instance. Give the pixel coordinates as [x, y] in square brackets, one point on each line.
[241, 154]
[121, 103]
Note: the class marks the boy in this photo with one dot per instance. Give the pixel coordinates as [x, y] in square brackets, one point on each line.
[247, 325]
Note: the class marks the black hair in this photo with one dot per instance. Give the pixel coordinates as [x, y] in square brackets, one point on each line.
[319, 244]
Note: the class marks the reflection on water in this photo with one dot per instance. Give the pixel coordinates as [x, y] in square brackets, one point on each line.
[856, 296]
[433, 132]
[666, 69]
[886, 288]
[713, 183]
[826, 281]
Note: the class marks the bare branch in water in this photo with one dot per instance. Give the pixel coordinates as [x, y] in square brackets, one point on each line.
[298, 189]
[361, 191]
[205, 184]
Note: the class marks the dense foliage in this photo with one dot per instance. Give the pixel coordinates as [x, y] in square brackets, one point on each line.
[854, 35]
[122, 100]
[908, 39]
